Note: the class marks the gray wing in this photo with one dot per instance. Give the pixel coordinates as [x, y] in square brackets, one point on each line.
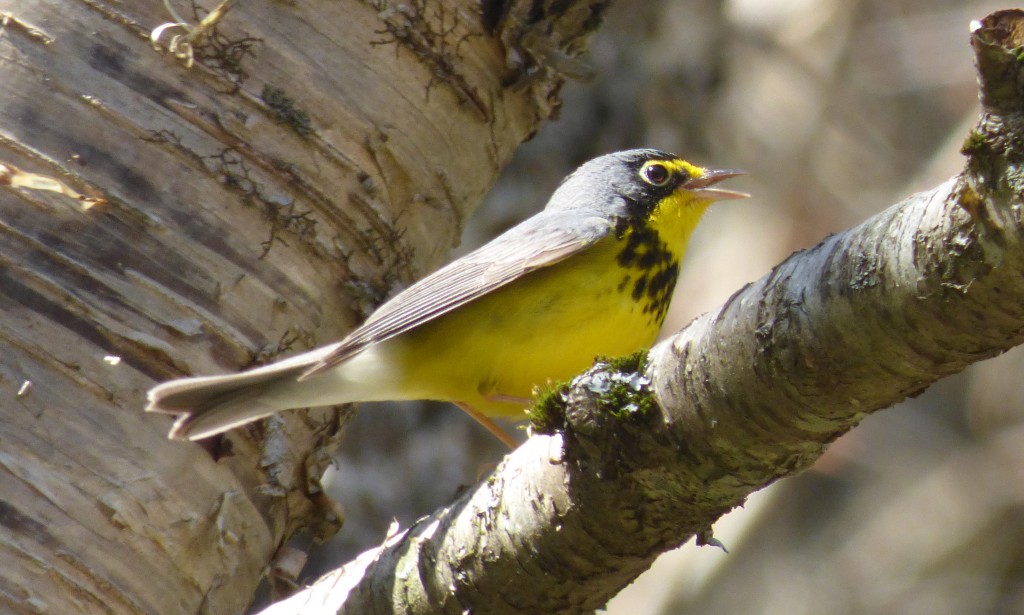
[540, 241]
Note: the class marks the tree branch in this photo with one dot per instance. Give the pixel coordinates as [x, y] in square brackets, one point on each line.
[747, 394]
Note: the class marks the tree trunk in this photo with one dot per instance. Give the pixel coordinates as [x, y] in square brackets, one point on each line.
[315, 157]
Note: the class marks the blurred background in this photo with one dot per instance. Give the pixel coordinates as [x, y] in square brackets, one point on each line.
[837, 109]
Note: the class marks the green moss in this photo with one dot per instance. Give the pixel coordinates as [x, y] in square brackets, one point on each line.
[547, 413]
[974, 142]
[636, 362]
[622, 390]
[283, 108]
[621, 385]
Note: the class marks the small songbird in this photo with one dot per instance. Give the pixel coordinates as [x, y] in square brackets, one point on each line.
[590, 275]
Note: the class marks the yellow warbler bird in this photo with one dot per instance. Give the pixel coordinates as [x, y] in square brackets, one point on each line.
[592, 274]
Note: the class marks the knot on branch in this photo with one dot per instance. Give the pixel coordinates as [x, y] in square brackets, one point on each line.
[610, 421]
[998, 42]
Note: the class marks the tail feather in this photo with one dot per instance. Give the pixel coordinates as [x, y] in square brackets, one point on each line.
[209, 405]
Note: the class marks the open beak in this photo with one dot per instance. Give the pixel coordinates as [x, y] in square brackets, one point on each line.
[703, 185]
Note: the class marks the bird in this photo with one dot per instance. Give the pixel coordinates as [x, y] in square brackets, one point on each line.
[592, 274]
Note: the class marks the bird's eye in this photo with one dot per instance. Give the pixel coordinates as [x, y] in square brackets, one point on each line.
[656, 174]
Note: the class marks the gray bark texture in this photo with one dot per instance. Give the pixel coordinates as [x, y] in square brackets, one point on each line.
[258, 180]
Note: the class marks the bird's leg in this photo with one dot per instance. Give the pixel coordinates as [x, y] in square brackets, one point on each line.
[510, 399]
[498, 432]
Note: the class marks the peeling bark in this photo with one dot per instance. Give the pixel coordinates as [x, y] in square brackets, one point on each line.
[316, 156]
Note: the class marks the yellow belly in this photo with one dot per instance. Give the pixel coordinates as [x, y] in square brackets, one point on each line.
[548, 325]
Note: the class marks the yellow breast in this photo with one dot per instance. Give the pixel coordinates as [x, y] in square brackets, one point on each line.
[608, 300]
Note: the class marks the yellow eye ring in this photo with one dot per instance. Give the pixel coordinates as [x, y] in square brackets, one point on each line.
[656, 174]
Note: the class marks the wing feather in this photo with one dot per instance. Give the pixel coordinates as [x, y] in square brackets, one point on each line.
[541, 241]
